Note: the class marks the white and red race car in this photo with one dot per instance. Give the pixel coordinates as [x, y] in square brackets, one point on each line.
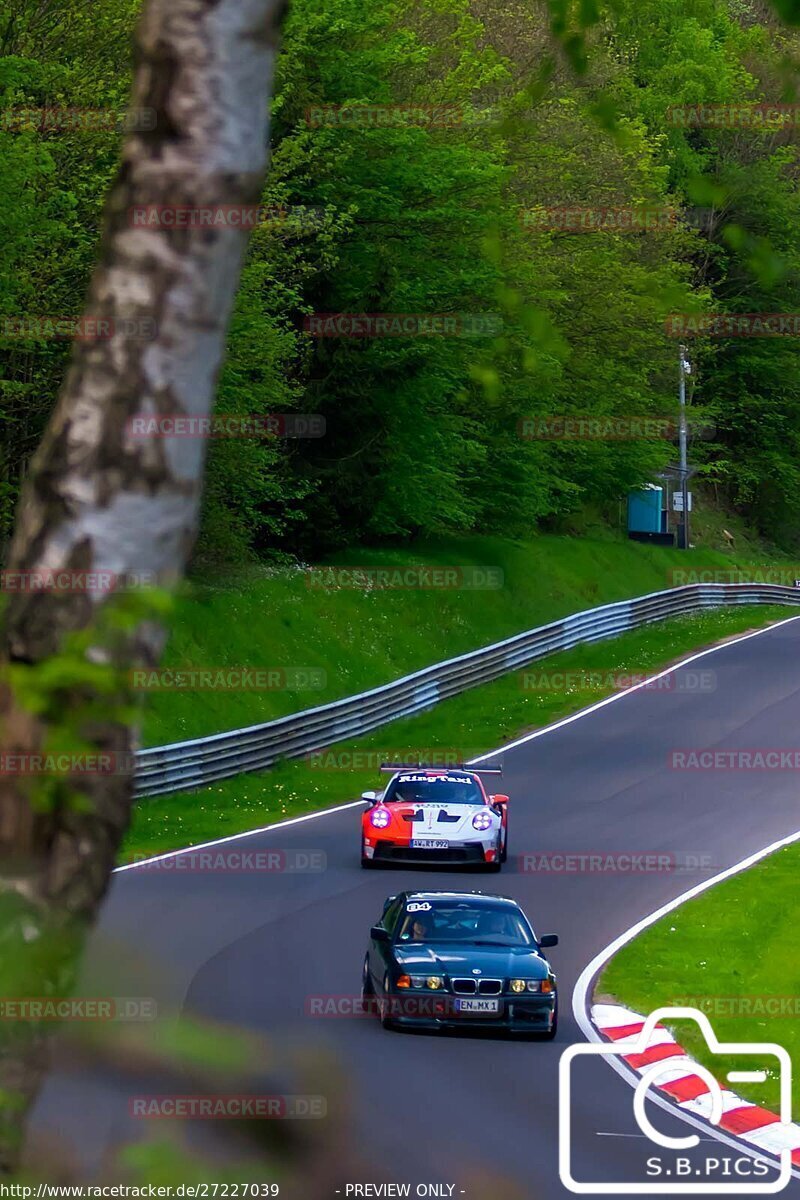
[436, 815]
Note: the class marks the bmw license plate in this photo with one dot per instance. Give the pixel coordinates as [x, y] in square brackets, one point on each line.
[428, 844]
[485, 1008]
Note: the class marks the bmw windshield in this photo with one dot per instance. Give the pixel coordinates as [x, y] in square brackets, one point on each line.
[484, 925]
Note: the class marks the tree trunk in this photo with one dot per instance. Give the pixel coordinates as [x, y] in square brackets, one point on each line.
[98, 500]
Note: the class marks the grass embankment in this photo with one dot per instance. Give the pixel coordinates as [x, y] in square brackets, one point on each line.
[731, 952]
[358, 639]
[466, 725]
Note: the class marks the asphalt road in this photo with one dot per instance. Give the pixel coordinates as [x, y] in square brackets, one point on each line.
[257, 948]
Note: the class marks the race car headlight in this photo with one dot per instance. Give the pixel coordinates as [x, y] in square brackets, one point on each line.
[380, 818]
[482, 820]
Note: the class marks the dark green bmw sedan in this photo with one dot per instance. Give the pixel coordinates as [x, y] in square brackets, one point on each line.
[455, 960]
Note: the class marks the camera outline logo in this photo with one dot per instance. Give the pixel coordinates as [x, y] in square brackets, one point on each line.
[637, 1044]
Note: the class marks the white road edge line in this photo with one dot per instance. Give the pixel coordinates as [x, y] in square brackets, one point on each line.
[581, 995]
[584, 712]
[234, 837]
[648, 682]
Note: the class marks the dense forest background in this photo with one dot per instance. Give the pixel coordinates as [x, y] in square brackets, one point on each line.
[449, 216]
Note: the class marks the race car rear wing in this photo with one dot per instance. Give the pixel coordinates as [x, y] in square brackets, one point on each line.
[495, 770]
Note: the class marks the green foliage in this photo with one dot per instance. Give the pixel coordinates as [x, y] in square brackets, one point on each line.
[81, 689]
[561, 106]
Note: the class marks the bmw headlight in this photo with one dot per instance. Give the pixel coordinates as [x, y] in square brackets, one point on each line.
[433, 982]
[482, 820]
[530, 985]
[380, 818]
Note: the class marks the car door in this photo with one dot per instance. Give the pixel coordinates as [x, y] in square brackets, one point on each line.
[380, 953]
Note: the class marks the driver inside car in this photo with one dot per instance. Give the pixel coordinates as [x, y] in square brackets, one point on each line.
[493, 923]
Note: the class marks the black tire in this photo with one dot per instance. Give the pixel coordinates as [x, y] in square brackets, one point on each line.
[385, 1020]
[551, 1033]
[366, 863]
[504, 851]
[367, 990]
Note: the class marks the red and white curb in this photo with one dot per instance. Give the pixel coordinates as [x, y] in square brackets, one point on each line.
[761, 1129]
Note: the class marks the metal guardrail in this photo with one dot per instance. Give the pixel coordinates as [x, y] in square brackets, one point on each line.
[184, 766]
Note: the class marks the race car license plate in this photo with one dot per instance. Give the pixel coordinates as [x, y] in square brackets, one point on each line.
[486, 1008]
[428, 844]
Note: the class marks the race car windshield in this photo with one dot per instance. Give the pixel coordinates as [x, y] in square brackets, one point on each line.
[441, 789]
[484, 926]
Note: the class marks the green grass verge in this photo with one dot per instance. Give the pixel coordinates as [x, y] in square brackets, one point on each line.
[469, 724]
[731, 952]
[270, 618]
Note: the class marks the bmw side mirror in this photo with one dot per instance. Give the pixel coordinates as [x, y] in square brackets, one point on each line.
[379, 934]
[549, 940]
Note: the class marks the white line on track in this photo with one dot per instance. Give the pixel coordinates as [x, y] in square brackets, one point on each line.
[233, 837]
[584, 712]
[648, 682]
[580, 993]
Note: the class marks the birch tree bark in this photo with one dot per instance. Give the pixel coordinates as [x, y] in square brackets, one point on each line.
[101, 500]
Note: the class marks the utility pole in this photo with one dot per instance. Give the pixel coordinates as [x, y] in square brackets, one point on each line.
[684, 369]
